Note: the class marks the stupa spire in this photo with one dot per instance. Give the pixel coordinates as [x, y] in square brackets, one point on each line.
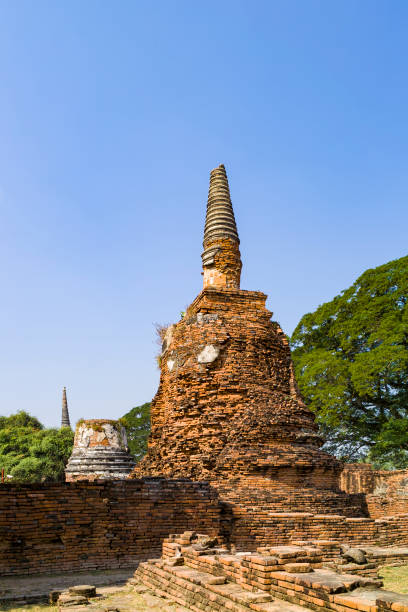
[65, 422]
[221, 257]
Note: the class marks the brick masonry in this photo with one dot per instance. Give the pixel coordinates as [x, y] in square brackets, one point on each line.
[228, 409]
[256, 529]
[386, 492]
[96, 525]
[206, 575]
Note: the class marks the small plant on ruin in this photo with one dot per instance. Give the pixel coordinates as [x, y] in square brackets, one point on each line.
[160, 336]
[160, 333]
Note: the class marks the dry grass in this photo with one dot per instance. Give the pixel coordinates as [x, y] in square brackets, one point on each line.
[28, 608]
[124, 599]
[395, 578]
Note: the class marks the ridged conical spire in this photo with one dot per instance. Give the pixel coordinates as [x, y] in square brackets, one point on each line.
[65, 415]
[220, 220]
[221, 258]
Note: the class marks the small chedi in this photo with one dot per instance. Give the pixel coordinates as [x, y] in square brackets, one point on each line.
[228, 409]
[100, 452]
[65, 422]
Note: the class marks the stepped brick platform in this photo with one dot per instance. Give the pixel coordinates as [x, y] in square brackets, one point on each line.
[199, 573]
[203, 591]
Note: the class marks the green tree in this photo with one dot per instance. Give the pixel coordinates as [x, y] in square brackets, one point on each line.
[20, 419]
[137, 424]
[31, 453]
[351, 360]
[53, 448]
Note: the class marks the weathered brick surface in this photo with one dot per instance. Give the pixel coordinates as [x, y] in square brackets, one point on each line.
[386, 505]
[226, 271]
[92, 525]
[362, 478]
[218, 579]
[254, 529]
[386, 492]
[239, 420]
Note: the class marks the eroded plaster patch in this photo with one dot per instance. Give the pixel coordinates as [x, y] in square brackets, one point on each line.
[208, 354]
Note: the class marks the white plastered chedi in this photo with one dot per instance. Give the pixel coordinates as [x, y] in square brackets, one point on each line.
[100, 451]
[105, 435]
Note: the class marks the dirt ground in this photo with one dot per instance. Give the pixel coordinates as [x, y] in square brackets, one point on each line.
[123, 599]
[24, 590]
[112, 598]
[120, 598]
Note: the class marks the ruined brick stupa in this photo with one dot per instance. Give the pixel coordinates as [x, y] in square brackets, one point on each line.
[228, 409]
[100, 452]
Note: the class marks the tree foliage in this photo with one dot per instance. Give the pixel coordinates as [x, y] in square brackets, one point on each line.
[31, 453]
[351, 360]
[137, 424]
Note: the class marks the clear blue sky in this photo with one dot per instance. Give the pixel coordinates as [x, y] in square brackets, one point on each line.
[112, 114]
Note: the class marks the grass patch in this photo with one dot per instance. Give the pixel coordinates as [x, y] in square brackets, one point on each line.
[395, 578]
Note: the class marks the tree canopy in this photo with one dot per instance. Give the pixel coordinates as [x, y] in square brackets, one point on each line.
[137, 424]
[31, 453]
[351, 360]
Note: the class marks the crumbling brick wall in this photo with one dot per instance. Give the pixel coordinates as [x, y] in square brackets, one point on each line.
[256, 528]
[383, 505]
[96, 525]
[357, 478]
[386, 491]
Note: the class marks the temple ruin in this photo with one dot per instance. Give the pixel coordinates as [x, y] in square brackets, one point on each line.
[235, 506]
[228, 409]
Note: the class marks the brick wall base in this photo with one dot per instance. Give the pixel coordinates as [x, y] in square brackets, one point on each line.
[95, 525]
